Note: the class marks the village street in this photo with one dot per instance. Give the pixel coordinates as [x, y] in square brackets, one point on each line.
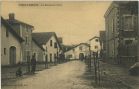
[63, 76]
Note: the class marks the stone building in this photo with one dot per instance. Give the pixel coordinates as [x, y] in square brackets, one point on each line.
[24, 30]
[79, 51]
[11, 51]
[121, 22]
[49, 41]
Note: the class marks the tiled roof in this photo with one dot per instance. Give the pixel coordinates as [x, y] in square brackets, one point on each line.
[67, 47]
[15, 21]
[43, 37]
[78, 45]
[10, 29]
[37, 44]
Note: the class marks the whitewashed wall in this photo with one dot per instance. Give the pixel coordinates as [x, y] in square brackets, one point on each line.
[76, 51]
[7, 42]
[51, 49]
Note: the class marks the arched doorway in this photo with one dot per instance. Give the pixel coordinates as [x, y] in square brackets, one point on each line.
[81, 56]
[12, 55]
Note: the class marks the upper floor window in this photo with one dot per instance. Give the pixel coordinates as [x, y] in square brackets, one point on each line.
[51, 43]
[46, 49]
[96, 47]
[96, 40]
[7, 33]
[127, 42]
[80, 48]
[128, 23]
[26, 40]
[4, 51]
[113, 25]
[55, 45]
[73, 49]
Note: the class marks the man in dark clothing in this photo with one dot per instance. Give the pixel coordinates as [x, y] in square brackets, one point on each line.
[33, 64]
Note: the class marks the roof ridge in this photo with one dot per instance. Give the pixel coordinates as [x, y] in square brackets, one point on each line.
[43, 32]
[11, 29]
[18, 21]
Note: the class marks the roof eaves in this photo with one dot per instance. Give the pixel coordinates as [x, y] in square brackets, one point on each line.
[38, 44]
[11, 29]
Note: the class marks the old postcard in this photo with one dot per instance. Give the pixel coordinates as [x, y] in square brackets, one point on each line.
[69, 44]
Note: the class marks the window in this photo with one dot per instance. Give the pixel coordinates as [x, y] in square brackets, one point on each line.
[96, 40]
[69, 56]
[26, 40]
[55, 56]
[80, 48]
[4, 51]
[55, 45]
[7, 33]
[128, 23]
[96, 47]
[51, 43]
[50, 57]
[128, 42]
[73, 49]
[46, 49]
[113, 26]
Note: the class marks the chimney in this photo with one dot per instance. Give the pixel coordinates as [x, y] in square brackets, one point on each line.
[11, 16]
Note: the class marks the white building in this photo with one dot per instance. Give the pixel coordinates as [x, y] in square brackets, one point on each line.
[95, 44]
[24, 30]
[78, 52]
[11, 51]
[49, 41]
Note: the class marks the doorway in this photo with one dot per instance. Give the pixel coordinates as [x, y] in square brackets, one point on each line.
[12, 55]
[81, 56]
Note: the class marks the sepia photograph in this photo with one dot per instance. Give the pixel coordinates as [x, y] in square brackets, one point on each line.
[69, 44]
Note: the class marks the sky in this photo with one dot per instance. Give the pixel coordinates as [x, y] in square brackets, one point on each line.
[75, 22]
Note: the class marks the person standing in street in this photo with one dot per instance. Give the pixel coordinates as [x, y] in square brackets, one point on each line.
[33, 63]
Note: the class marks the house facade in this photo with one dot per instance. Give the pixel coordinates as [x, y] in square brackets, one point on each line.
[121, 21]
[25, 31]
[78, 52]
[38, 51]
[49, 41]
[11, 50]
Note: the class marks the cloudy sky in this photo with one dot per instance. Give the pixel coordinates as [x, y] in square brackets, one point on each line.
[74, 21]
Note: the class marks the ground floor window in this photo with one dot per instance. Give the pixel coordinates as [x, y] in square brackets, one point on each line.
[50, 57]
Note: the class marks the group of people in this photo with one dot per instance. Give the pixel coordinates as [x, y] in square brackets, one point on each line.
[30, 63]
